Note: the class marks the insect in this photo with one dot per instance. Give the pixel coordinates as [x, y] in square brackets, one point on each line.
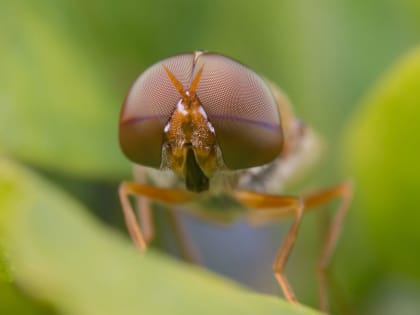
[219, 141]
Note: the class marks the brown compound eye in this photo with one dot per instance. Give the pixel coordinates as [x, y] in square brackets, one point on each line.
[242, 110]
[148, 107]
[238, 103]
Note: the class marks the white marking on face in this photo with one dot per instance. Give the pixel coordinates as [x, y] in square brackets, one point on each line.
[181, 108]
[210, 126]
[167, 126]
[202, 112]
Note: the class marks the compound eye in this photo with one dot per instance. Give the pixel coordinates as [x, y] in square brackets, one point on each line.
[242, 110]
[148, 107]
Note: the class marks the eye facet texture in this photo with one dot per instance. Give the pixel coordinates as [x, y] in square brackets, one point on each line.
[238, 103]
[148, 107]
[242, 110]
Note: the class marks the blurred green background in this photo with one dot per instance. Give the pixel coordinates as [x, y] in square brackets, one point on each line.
[65, 67]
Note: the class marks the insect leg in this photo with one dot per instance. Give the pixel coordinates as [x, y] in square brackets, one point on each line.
[345, 192]
[144, 213]
[286, 206]
[264, 208]
[280, 261]
[166, 196]
[188, 251]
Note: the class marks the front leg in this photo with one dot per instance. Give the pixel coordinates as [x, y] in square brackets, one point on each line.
[162, 195]
[282, 206]
[265, 207]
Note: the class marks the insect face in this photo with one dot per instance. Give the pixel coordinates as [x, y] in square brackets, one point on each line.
[199, 113]
[189, 145]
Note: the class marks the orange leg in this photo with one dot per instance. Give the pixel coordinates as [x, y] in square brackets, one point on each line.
[144, 213]
[165, 196]
[267, 207]
[285, 206]
[345, 192]
[188, 251]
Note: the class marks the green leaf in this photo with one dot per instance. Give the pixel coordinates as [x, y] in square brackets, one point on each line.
[60, 254]
[56, 107]
[12, 301]
[4, 272]
[383, 151]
